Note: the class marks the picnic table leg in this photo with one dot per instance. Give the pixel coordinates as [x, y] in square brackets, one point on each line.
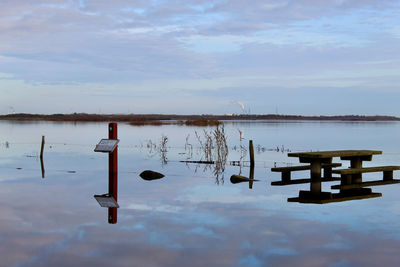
[388, 175]
[286, 176]
[328, 170]
[356, 163]
[315, 185]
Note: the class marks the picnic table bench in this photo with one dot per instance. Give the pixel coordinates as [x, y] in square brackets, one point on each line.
[347, 181]
[286, 173]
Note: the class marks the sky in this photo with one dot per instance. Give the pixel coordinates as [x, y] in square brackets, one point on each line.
[303, 57]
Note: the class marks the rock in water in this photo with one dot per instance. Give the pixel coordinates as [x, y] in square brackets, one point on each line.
[239, 179]
[149, 175]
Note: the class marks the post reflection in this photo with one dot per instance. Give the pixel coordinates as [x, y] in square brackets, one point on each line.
[240, 179]
[42, 167]
[349, 189]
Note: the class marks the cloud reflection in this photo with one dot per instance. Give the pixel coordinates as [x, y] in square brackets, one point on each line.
[185, 220]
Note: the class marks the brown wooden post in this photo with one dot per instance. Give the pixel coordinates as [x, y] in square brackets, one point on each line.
[113, 173]
[251, 176]
[251, 149]
[41, 156]
[42, 147]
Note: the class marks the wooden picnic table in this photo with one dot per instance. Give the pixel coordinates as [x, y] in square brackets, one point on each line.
[316, 159]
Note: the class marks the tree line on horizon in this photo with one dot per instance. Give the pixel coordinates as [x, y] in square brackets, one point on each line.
[191, 119]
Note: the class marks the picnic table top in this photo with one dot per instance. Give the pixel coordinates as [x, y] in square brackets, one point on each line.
[335, 153]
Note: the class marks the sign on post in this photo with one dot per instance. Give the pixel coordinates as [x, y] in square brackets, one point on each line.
[106, 201]
[106, 145]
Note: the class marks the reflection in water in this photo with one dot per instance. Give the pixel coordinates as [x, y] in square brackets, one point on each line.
[212, 150]
[106, 201]
[353, 192]
[328, 197]
[189, 217]
[42, 166]
[350, 188]
[240, 179]
[163, 149]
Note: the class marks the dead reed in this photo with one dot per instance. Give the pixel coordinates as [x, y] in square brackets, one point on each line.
[214, 146]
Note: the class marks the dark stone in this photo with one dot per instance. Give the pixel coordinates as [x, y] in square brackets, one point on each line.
[149, 175]
[239, 179]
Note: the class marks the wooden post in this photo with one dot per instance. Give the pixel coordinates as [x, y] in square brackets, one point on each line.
[251, 149]
[41, 156]
[42, 147]
[113, 173]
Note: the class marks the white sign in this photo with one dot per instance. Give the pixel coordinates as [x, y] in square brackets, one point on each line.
[106, 145]
[106, 201]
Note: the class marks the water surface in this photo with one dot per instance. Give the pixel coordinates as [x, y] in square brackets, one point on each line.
[194, 216]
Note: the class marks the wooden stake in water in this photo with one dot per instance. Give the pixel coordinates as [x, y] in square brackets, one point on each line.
[41, 156]
[251, 149]
[42, 147]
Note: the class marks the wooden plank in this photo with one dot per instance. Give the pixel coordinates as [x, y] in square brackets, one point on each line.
[365, 184]
[335, 153]
[361, 158]
[303, 167]
[366, 169]
[303, 181]
[291, 168]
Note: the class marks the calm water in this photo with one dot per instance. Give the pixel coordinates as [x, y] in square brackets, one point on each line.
[194, 216]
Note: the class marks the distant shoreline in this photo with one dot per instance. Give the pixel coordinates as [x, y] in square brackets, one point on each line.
[195, 120]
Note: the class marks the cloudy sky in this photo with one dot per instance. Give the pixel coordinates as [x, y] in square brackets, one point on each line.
[306, 57]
